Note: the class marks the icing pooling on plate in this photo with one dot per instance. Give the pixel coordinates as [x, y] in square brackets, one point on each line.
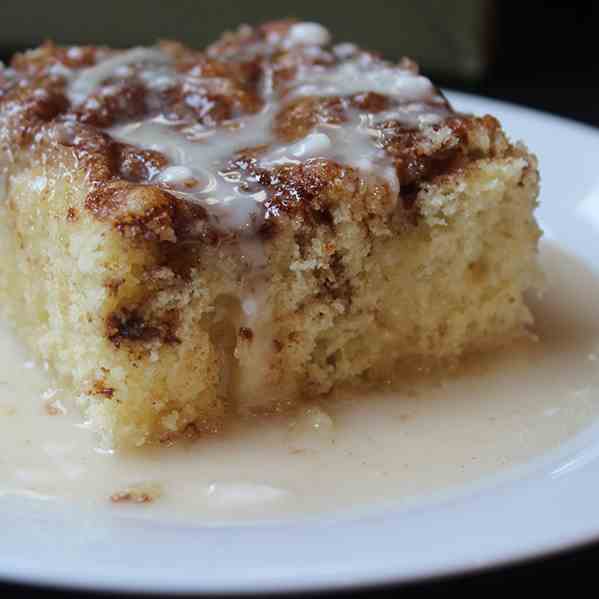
[391, 448]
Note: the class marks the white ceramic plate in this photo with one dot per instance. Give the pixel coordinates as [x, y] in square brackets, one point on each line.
[539, 507]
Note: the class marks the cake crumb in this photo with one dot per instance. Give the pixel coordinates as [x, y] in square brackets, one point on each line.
[54, 407]
[146, 492]
[317, 419]
[51, 404]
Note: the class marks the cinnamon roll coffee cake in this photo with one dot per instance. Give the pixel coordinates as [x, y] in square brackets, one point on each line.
[190, 236]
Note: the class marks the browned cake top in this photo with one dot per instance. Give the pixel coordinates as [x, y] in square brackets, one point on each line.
[262, 122]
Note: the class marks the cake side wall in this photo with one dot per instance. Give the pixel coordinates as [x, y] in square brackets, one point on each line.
[64, 280]
[374, 297]
[456, 283]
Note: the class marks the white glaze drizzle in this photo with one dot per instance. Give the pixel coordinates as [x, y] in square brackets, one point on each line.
[306, 34]
[313, 145]
[197, 154]
[83, 82]
[357, 76]
[355, 143]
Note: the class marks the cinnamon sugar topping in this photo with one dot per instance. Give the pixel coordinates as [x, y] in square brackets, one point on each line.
[222, 128]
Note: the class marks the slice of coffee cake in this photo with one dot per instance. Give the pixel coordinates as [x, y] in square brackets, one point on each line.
[187, 235]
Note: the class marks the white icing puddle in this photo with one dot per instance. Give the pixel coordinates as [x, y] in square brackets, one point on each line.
[500, 411]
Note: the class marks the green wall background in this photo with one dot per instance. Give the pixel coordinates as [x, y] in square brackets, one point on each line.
[451, 38]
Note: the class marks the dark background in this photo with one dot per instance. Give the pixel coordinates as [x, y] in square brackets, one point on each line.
[541, 54]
